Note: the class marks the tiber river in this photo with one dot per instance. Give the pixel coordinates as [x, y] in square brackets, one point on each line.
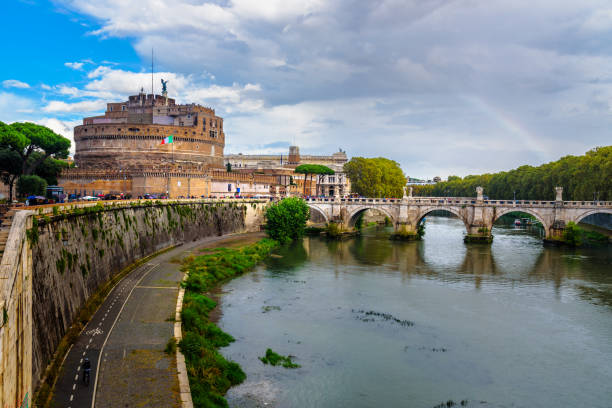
[513, 324]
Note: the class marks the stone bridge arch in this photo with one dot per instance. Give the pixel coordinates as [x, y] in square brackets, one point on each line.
[320, 211]
[592, 211]
[545, 223]
[423, 211]
[353, 213]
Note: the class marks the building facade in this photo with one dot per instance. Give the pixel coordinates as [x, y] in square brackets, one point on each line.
[151, 145]
[121, 152]
[337, 184]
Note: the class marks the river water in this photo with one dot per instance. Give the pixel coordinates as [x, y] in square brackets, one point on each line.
[376, 323]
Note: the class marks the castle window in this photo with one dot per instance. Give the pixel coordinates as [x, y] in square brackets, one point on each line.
[122, 107]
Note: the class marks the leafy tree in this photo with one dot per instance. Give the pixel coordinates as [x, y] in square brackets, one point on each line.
[583, 178]
[39, 139]
[11, 164]
[49, 169]
[10, 169]
[228, 167]
[31, 185]
[36, 147]
[376, 177]
[287, 219]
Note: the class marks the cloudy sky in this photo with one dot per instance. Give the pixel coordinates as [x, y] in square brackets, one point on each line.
[441, 86]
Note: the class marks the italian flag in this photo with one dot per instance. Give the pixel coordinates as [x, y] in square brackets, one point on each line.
[167, 140]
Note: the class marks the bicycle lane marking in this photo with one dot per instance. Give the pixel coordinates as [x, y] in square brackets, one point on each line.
[93, 398]
[93, 332]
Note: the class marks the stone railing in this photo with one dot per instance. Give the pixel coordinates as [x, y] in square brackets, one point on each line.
[463, 201]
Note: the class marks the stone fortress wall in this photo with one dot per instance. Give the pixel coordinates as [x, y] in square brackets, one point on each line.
[55, 260]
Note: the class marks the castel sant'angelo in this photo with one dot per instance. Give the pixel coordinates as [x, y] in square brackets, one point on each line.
[149, 144]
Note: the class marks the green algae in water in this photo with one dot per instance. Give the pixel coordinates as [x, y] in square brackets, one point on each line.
[275, 359]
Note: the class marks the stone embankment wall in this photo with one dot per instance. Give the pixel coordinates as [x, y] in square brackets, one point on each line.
[73, 250]
[16, 316]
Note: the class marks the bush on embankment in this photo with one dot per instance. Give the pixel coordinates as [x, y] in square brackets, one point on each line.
[210, 374]
[574, 236]
[286, 220]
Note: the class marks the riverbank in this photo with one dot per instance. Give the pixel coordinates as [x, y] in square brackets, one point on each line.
[210, 374]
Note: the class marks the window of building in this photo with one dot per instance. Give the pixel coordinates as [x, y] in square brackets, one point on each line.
[123, 107]
[332, 179]
[229, 188]
[111, 108]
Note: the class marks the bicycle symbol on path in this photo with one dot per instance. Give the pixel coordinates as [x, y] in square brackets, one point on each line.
[94, 332]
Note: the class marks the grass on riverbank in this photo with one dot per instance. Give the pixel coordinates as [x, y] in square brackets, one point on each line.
[210, 374]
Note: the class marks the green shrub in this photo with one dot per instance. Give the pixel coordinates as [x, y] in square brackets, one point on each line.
[333, 230]
[286, 220]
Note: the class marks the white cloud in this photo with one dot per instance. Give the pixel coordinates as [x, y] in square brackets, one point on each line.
[13, 83]
[75, 107]
[519, 81]
[13, 107]
[75, 65]
[61, 127]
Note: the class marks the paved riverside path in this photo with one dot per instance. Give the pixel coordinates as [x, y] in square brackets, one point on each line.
[131, 329]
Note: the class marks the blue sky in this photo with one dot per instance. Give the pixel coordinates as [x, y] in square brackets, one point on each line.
[442, 86]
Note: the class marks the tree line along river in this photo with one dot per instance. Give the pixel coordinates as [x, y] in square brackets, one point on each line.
[376, 323]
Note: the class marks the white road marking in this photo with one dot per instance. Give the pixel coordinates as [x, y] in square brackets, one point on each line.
[93, 398]
[71, 397]
[73, 387]
[76, 377]
[78, 369]
[81, 361]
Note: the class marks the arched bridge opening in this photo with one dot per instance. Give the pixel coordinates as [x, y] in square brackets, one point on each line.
[526, 218]
[448, 213]
[366, 216]
[317, 215]
[522, 220]
[598, 220]
[354, 216]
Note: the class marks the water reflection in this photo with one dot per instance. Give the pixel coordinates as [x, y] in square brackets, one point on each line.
[516, 256]
[513, 323]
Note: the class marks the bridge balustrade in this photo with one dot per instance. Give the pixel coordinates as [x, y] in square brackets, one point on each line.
[451, 201]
